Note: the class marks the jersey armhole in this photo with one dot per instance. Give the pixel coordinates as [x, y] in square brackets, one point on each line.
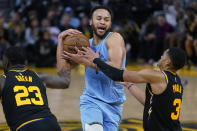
[166, 77]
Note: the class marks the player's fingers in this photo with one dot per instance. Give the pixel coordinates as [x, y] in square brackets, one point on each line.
[85, 49]
[76, 49]
[67, 53]
[86, 56]
[66, 57]
[76, 31]
[126, 84]
[81, 52]
[69, 32]
[90, 50]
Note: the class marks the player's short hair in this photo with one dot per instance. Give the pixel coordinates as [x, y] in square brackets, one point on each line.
[15, 55]
[177, 57]
[101, 7]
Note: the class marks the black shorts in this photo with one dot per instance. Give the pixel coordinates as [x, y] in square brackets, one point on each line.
[44, 124]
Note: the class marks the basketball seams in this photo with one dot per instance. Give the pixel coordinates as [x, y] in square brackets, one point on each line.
[78, 40]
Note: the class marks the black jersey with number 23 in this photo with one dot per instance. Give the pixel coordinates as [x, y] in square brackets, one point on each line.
[23, 98]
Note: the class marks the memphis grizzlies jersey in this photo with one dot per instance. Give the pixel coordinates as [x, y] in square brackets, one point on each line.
[97, 84]
[23, 98]
[161, 112]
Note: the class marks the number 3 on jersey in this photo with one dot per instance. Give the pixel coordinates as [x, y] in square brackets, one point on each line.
[177, 103]
[20, 97]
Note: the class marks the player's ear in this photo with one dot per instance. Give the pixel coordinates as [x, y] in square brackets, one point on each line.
[168, 62]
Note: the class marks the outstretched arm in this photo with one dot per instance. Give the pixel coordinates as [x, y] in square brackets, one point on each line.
[153, 77]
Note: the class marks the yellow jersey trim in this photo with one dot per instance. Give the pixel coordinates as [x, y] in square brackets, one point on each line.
[165, 76]
[27, 123]
[18, 70]
[150, 92]
[172, 72]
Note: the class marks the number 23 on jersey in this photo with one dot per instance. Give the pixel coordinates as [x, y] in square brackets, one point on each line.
[22, 98]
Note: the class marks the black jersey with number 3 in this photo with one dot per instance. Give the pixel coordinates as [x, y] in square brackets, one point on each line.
[161, 112]
[23, 98]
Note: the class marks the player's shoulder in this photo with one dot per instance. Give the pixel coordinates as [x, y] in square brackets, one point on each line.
[115, 35]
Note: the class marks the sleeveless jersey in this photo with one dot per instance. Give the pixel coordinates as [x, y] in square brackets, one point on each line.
[23, 98]
[161, 112]
[97, 84]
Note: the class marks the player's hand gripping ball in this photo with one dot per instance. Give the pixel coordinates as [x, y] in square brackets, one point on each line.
[78, 40]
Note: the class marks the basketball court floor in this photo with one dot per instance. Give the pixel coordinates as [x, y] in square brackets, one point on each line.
[64, 103]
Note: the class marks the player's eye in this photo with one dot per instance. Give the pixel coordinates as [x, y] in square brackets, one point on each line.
[99, 18]
[106, 20]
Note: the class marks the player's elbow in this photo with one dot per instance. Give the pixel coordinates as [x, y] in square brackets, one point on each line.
[65, 84]
[64, 80]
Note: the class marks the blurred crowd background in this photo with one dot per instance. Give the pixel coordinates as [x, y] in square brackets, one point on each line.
[148, 26]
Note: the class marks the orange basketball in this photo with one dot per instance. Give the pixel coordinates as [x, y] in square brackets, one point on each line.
[78, 40]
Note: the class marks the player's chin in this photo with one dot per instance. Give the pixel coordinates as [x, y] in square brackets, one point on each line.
[101, 34]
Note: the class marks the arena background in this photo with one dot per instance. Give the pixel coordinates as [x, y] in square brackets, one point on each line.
[35, 25]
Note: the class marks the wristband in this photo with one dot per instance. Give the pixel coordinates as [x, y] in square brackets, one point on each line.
[130, 85]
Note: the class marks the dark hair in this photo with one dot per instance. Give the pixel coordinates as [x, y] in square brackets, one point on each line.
[177, 57]
[15, 55]
[101, 7]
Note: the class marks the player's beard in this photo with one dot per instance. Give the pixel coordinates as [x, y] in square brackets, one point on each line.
[100, 36]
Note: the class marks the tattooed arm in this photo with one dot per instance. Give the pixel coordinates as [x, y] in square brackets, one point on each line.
[64, 67]
[62, 81]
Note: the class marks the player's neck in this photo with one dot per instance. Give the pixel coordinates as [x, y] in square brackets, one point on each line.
[96, 39]
[170, 70]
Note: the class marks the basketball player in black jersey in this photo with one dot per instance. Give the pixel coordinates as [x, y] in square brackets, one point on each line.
[23, 96]
[163, 97]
